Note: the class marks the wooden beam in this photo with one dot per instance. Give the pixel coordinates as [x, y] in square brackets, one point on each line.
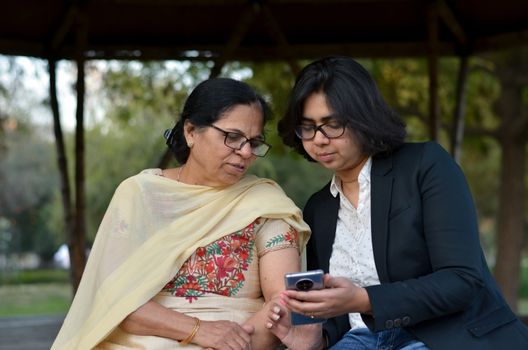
[501, 41]
[449, 19]
[246, 18]
[201, 53]
[21, 47]
[278, 34]
[64, 27]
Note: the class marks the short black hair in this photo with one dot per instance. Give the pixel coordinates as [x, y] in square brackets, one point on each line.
[355, 99]
[207, 103]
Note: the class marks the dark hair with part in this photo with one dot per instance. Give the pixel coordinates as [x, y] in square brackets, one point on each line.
[355, 99]
[206, 104]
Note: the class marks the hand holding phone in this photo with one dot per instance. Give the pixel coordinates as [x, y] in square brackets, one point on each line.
[304, 281]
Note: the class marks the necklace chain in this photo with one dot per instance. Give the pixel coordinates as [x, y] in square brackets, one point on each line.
[179, 174]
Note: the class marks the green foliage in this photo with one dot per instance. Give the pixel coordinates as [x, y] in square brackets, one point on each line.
[298, 178]
[28, 185]
[34, 276]
[523, 293]
[404, 84]
[112, 157]
[139, 102]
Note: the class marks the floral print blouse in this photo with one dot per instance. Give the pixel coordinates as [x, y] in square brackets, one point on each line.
[230, 265]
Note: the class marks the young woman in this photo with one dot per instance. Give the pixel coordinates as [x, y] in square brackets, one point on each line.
[396, 229]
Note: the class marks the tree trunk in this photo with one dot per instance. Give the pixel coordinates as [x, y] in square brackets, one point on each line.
[77, 242]
[432, 65]
[457, 135]
[62, 160]
[513, 131]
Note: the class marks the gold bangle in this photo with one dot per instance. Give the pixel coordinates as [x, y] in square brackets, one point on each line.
[190, 337]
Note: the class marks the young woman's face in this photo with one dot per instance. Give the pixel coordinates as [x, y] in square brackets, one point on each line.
[211, 162]
[342, 154]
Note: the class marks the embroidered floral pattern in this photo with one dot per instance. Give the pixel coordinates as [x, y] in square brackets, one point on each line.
[291, 237]
[216, 268]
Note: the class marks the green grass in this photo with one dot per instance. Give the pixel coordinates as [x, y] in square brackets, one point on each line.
[34, 276]
[35, 299]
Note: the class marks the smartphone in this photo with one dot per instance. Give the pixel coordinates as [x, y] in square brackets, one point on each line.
[304, 281]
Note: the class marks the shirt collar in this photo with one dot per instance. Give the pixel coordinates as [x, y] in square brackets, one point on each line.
[364, 177]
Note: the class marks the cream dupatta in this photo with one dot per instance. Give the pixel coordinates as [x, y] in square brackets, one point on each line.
[152, 225]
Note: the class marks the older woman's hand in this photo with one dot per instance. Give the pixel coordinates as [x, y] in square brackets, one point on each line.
[224, 335]
[305, 337]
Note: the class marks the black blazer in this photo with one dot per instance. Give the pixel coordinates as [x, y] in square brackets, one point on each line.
[434, 279]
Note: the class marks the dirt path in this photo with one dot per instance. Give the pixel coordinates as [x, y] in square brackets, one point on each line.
[29, 332]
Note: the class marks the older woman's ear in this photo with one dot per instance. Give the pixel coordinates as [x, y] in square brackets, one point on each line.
[188, 132]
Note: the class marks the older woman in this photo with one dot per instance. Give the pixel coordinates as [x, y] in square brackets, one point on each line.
[187, 257]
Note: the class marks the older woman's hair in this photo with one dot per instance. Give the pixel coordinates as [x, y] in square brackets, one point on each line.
[353, 96]
[206, 104]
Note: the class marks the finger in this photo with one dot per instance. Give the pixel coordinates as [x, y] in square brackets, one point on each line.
[241, 341]
[274, 315]
[311, 296]
[244, 337]
[327, 280]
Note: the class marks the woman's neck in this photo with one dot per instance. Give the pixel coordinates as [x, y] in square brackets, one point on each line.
[350, 175]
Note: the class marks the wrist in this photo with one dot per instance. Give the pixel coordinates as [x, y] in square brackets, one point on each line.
[325, 343]
[322, 344]
[365, 306]
[192, 334]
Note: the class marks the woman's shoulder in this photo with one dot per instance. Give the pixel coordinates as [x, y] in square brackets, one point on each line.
[423, 152]
[137, 181]
[320, 197]
[417, 148]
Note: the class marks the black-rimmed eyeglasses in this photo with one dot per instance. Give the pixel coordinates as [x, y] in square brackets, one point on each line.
[331, 130]
[236, 141]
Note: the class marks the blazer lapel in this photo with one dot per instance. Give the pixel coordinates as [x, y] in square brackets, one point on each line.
[381, 191]
[327, 226]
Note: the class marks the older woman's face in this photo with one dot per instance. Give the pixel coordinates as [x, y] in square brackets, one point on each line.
[343, 154]
[211, 162]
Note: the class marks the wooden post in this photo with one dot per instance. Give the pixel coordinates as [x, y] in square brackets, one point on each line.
[62, 160]
[457, 134]
[432, 57]
[78, 240]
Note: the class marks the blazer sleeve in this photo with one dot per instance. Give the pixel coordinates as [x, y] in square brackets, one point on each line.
[320, 213]
[433, 254]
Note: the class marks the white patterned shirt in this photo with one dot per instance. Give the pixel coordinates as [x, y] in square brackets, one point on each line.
[352, 253]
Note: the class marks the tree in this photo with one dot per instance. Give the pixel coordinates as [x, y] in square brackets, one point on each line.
[511, 69]
[27, 188]
[27, 178]
[494, 147]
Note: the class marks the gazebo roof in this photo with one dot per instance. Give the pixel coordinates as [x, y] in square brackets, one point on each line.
[258, 30]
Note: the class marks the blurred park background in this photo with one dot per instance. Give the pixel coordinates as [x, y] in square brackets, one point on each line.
[127, 104]
[130, 104]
